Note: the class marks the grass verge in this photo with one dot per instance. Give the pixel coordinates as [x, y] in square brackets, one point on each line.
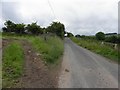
[13, 57]
[96, 47]
[51, 49]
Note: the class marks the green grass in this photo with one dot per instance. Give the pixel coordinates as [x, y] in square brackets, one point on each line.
[96, 47]
[13, 58]
[51, 49]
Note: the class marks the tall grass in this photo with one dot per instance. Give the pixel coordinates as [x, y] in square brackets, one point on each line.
[51, 48]
[13, 57]
[97, 47]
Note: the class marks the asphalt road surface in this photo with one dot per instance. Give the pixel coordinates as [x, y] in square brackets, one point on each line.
[82, 68]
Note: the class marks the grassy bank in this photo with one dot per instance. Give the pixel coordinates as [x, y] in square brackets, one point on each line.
[13, 58]
[51, 48]
[96, 47]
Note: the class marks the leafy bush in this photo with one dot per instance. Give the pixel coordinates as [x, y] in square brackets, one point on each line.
[100, 36]
[112, 39]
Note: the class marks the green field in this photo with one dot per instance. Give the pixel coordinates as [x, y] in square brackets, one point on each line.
[95, 46]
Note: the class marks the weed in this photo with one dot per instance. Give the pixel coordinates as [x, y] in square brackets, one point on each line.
[13, 57]
[51, 49]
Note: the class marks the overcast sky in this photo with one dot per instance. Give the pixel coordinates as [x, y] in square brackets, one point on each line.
[84, 17]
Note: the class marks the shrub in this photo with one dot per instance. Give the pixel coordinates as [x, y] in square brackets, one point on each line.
[100, 36]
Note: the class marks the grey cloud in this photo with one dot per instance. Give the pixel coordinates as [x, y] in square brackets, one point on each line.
[10, 11]
[92, 25]
[75, 21]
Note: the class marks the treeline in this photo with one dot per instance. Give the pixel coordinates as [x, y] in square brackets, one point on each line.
[99, 36]
[55, 28]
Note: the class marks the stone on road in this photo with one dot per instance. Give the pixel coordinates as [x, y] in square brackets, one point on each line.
[84, 69]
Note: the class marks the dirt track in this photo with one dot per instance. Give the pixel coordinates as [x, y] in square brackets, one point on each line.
[36, 74]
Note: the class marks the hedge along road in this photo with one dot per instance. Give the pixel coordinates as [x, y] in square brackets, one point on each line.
[84, 69]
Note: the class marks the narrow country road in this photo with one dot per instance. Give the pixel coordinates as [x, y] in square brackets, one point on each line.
[84, 69]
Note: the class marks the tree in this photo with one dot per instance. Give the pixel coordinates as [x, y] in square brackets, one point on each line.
[78, 36]
[69, 34]
[100, 36]
[4, 29]
[10, 26]
[57, 28]
[83, 36]
[20, 28]
[34, 29]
